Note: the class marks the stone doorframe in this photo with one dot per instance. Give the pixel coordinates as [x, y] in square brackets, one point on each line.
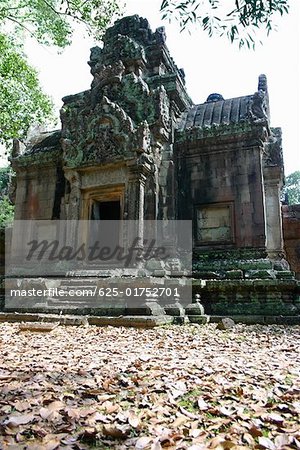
[101, 194]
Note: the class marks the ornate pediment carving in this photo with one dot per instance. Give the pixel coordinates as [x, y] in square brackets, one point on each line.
[110, 74]
[105, 146]
[100, 136]
[124, 114]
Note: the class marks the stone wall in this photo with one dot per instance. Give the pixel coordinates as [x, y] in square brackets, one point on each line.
[291, 233]
[214, 176]
[35, 195]
[252, 297]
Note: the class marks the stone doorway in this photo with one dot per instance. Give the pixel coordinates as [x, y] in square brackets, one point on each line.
[105, 223]
[102, 213]
[106, 210]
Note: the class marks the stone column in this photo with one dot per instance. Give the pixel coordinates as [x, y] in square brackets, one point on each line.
[135, 201]
[274, 235]
[73, 206]
[73, 212]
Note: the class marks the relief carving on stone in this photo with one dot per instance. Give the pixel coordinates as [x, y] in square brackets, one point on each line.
[126, 49]
[273, 155]
[108, 74]
[105, 76]
[142, 138]
[104, 146]
[122, 122]
[258, 111]
[121, 116]
[73, 204]
[163, 118]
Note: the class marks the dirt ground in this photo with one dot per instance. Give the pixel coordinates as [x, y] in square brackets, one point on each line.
[175, 387]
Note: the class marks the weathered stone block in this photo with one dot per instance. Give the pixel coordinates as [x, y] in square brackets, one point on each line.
[159, 273]
[234, 274]
[262, 274]
[194, 309]
[285, 274]
[225, 324]
[201, 320]
[174, 309]
[208, 275]
[256, 265]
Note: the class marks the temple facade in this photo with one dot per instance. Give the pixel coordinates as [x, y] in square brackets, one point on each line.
[135, 147]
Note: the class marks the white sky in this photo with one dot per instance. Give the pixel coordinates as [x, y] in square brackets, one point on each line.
[210, 64]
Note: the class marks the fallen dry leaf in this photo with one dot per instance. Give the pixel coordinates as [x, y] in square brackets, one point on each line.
[266, 443]
[176, 387]
[116, 431]
[143, 442]
[14, 421]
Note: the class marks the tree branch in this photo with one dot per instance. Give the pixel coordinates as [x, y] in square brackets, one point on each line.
[20, 24]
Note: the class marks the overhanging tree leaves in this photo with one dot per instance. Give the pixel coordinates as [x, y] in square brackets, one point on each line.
[50, 22]
[236, 19]
[21, 98]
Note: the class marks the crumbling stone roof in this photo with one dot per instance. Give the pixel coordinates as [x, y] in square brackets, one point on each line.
[215, 113]
[44, 142]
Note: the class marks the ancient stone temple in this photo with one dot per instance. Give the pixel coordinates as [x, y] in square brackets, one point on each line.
[135, 146]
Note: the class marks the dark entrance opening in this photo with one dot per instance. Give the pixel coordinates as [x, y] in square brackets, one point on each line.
[106, 211]
[105, 228]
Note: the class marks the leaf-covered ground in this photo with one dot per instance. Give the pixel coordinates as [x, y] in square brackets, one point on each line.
[176, 387]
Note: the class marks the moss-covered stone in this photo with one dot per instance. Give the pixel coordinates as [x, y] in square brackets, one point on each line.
[285, 274]
[234, 274]
[259, 274]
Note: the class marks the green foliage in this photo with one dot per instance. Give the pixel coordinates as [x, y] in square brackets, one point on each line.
[21, 98]
[6, 208]
[292, 188]
[6, 212]
[4, 180]
[50, 22]
[238, 20]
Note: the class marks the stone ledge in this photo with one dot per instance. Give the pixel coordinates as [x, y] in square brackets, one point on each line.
[146, 321]
[122, 321]
[269, 284]
[257, 319]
